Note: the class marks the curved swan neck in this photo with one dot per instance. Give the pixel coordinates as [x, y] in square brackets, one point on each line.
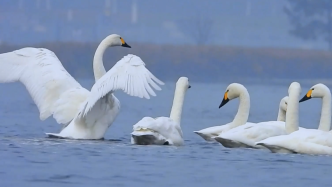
[281, 115]
[242, 114]
[98, 65]
[176, 110]
[325, 116]
[292, 114]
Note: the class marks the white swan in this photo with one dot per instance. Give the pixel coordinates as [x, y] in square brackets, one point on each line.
[163, 130]
[84, 114]
[234, 90]
[306, 141]
[282, 109]
[323, 92]
[247, 135]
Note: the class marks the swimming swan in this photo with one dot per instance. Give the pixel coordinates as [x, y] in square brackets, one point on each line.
[247, 135]
[306, 141]
[84, 114]
[233, 91]
[323, 92]
[163, 130]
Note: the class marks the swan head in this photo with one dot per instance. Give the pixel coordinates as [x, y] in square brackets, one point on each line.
[183, 82]
[294, 89]
[283, 103]
[294, 86]
[317, 91]
[233, 91]
[115, 40]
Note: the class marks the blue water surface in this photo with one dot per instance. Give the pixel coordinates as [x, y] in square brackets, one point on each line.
[28, 158]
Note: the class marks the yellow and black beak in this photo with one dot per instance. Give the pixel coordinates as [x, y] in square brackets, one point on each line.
[124, 44]
[225, 100]
[307, 96]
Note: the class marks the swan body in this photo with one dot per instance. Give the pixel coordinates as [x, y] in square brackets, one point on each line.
[84, 114]
[247, 135]
[210, 132]
[306, 141]
[234, 90]
[163, 130]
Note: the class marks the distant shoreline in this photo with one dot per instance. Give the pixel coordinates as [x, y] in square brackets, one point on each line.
[200, 63]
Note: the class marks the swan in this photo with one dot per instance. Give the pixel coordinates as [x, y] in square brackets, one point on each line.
[321, 91]
[306, 141]
[83, 114]
[234, 90]
[247, 135]
[282, 109]
[163, 130]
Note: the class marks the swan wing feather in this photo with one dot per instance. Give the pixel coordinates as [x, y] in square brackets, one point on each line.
[306, 141]
[129, 75]
[250, 133]
[44, 77]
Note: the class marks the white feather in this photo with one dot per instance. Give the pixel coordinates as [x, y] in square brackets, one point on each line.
[128, 74]
[85, 115]
[163, 130]
[46, 80]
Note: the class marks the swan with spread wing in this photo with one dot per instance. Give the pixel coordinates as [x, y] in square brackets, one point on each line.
[84, 114]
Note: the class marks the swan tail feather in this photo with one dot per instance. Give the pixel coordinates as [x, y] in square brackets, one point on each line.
[231, 143]
[277, 149]
[55, 135]
[206, 137]
[148, 138]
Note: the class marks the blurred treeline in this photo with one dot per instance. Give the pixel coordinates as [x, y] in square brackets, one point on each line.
[199, 63]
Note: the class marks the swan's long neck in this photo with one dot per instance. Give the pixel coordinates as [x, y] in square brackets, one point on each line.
[292, 114]
[281, 115]
[325, 116]
[98, 65]
[176, 110]
[242, 114]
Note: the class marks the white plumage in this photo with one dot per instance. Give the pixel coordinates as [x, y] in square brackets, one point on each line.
[159, 131]
[130, 75]
[163, 130]
[51, 87]
[85, 115]
[306, 141]
[248, 134]
[240, 122]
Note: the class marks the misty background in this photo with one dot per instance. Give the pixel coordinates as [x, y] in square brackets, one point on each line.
[207, 41]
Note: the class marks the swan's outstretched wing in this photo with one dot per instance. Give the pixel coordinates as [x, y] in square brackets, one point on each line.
[130, 75]
[44, 77]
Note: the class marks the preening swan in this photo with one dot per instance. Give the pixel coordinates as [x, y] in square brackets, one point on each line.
[233, 91]
[282, 109]
[247, 135]
[305, 141]
[84, 114]
[163, 130]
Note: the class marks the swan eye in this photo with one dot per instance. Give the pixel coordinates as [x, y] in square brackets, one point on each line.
[227, 90]
[286, 103]
[313, 89]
